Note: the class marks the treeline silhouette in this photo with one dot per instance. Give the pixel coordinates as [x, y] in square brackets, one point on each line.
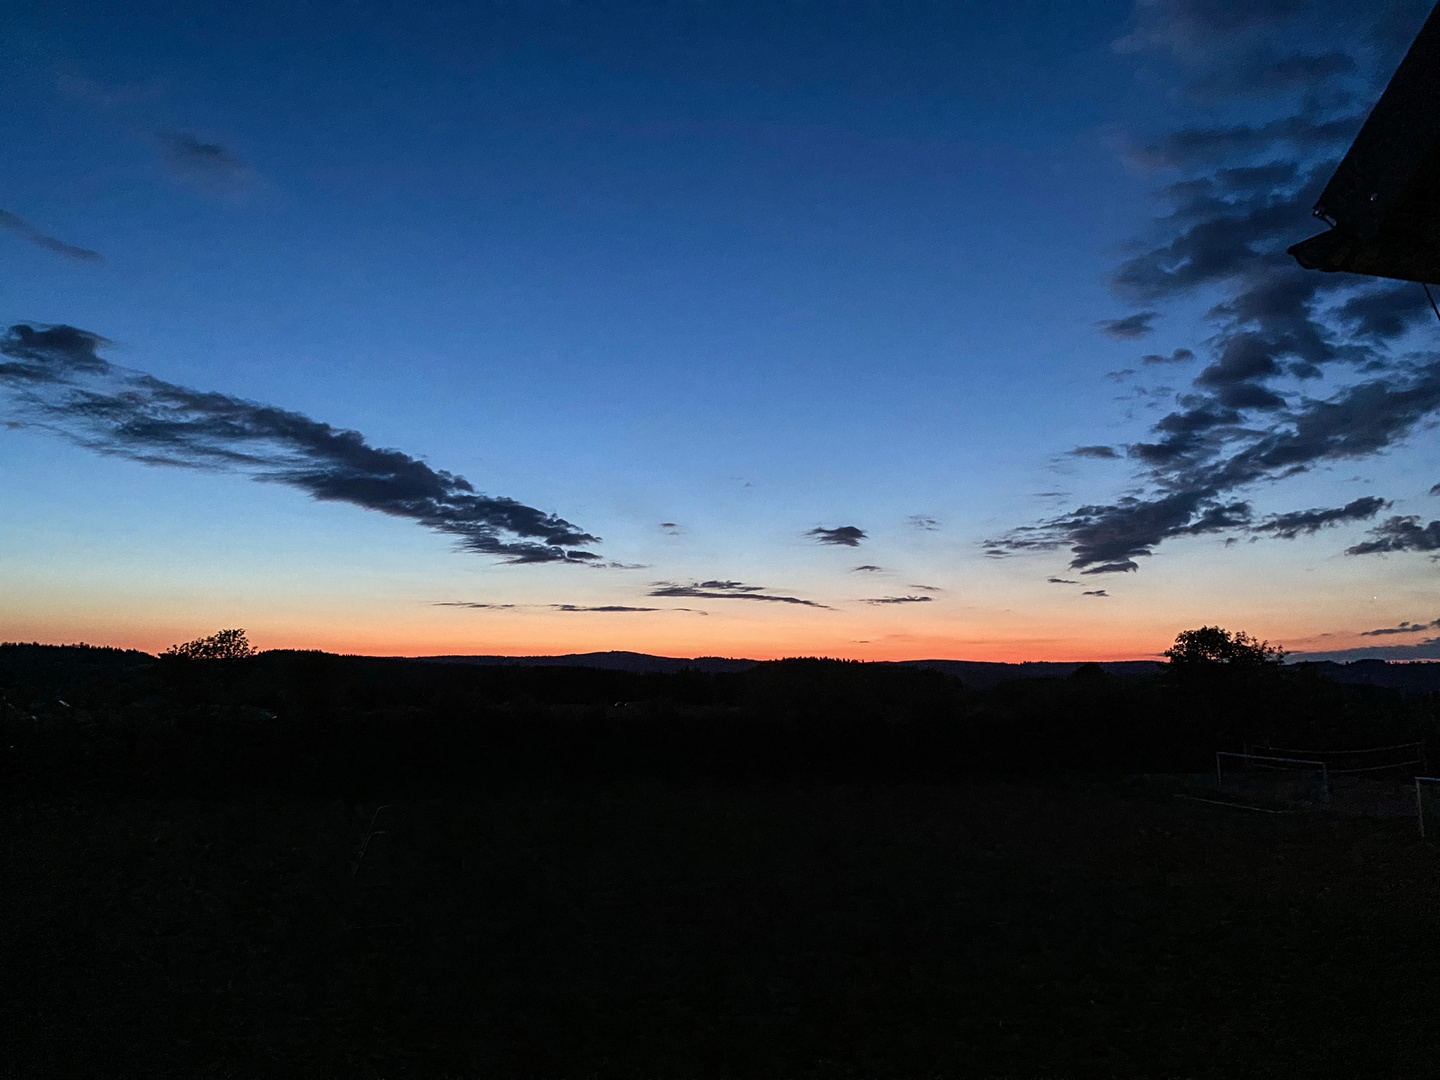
[319, 724]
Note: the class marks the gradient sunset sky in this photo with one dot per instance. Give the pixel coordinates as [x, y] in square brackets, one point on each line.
[878, 330]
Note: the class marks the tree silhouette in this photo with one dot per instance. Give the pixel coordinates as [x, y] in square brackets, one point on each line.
[1210, 645]
[224, 645]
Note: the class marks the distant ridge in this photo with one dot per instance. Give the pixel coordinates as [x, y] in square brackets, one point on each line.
[978, 674]
[639, 663]
[1414, 677]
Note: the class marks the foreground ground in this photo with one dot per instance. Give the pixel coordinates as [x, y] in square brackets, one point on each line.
[650, 930]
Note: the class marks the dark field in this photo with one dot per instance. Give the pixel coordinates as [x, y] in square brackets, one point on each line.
[647, 929]
[809, 868]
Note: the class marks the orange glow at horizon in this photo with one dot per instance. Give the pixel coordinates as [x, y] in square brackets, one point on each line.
[380, 641]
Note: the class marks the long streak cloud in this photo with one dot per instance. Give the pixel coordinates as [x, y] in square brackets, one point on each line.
[56, 380]
[29, 233]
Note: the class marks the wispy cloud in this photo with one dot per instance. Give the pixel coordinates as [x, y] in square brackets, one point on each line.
[1399, 534]
[1405, 627]
[1179, 356]
[600, 608]
[727, 590]
[844, 536]
[867, 567]
[1131, 327]
[900, 600]
[613, 608]
[923, 522]
[1061, 581]
[205, 165]
[1095, 592]
[30, 234]
[1237, 194]
[1298, 522]
[57, 381]
[926, 588]
[1103, 453]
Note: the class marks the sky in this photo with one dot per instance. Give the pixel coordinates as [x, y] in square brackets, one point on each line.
[887, 330]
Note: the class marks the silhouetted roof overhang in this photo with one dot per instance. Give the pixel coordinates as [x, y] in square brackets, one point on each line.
[1383, 202]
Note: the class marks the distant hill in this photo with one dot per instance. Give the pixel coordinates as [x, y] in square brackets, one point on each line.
[1415, 677]
[638, 663]
[65, 663]
[977, 674]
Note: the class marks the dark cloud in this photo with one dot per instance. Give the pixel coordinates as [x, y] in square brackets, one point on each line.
[1265, 71]
[614, 607]
[923, 522]
[1179, 356]
[900, 600]
[57, 381]
[208, 166]
[670, 528]
[1200, 146]
[727, 590]
[1121, 567]
[1095, 592]
[27, 232]
[606, 608]
[1239, 195]
[1386, 312]
[844, 536]
[1288, 526]
[1061, 581]
[1102, 452]
[1428, 649]
[926, 588]
[1399, 534]
[1405, 627]
[1106, 539]
[871, 567]
[1131, 327]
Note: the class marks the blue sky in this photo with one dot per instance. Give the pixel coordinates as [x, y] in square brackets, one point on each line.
[753, 270]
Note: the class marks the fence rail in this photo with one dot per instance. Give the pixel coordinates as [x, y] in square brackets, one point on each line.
[1275, 763]
[1339, 753]
[1333, 758]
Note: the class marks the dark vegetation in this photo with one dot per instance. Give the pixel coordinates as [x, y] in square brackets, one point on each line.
[806, 868]
[359, 727]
